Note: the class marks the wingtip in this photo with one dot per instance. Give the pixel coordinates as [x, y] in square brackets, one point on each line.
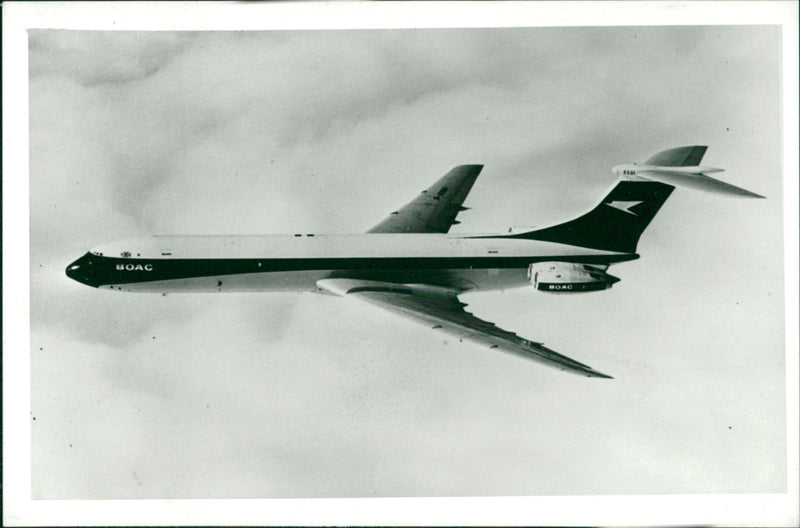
[470, 167]
[744, 193]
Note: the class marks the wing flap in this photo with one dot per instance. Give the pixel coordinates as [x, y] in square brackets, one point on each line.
[436, 208]
[442, 310]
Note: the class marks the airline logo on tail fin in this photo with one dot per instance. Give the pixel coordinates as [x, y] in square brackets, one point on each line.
[616, 223]
[624, 206]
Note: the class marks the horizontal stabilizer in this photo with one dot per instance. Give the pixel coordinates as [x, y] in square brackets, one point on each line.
[698, 182]
[680, 167]
[678, 157]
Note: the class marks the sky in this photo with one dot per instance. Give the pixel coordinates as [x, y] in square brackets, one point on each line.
[136, 396]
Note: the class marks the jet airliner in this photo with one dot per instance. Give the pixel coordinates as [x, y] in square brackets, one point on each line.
[410, 264]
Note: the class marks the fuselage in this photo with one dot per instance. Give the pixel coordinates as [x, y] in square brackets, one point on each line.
[267, 263]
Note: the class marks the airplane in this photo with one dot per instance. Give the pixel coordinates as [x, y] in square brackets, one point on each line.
[410, 264]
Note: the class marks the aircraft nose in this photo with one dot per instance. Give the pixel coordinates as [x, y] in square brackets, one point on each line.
[81, 270]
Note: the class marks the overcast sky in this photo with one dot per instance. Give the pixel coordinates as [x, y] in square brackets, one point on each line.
[288, 395]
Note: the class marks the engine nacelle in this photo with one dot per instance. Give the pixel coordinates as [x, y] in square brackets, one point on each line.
[564, 277]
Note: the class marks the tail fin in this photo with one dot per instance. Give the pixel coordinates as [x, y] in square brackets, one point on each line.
[616, 223]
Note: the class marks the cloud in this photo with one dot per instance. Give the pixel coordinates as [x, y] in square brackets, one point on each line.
[102, 57]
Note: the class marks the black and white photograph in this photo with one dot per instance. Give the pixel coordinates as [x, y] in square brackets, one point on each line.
[366, 256]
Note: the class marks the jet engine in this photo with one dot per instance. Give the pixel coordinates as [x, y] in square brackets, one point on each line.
[565, 277]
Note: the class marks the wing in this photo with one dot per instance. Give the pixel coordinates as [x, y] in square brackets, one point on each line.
[435, 209]
[441, 310]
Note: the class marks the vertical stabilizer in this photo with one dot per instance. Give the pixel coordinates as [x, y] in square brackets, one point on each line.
[616, 223]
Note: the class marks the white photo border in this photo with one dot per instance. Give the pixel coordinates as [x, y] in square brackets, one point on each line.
[19, 509]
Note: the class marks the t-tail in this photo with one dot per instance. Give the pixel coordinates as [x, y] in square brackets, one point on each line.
[681, 167]
[618, 221]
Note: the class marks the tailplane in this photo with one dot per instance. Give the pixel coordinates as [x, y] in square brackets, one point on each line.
[679, 157]
[681, 167]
